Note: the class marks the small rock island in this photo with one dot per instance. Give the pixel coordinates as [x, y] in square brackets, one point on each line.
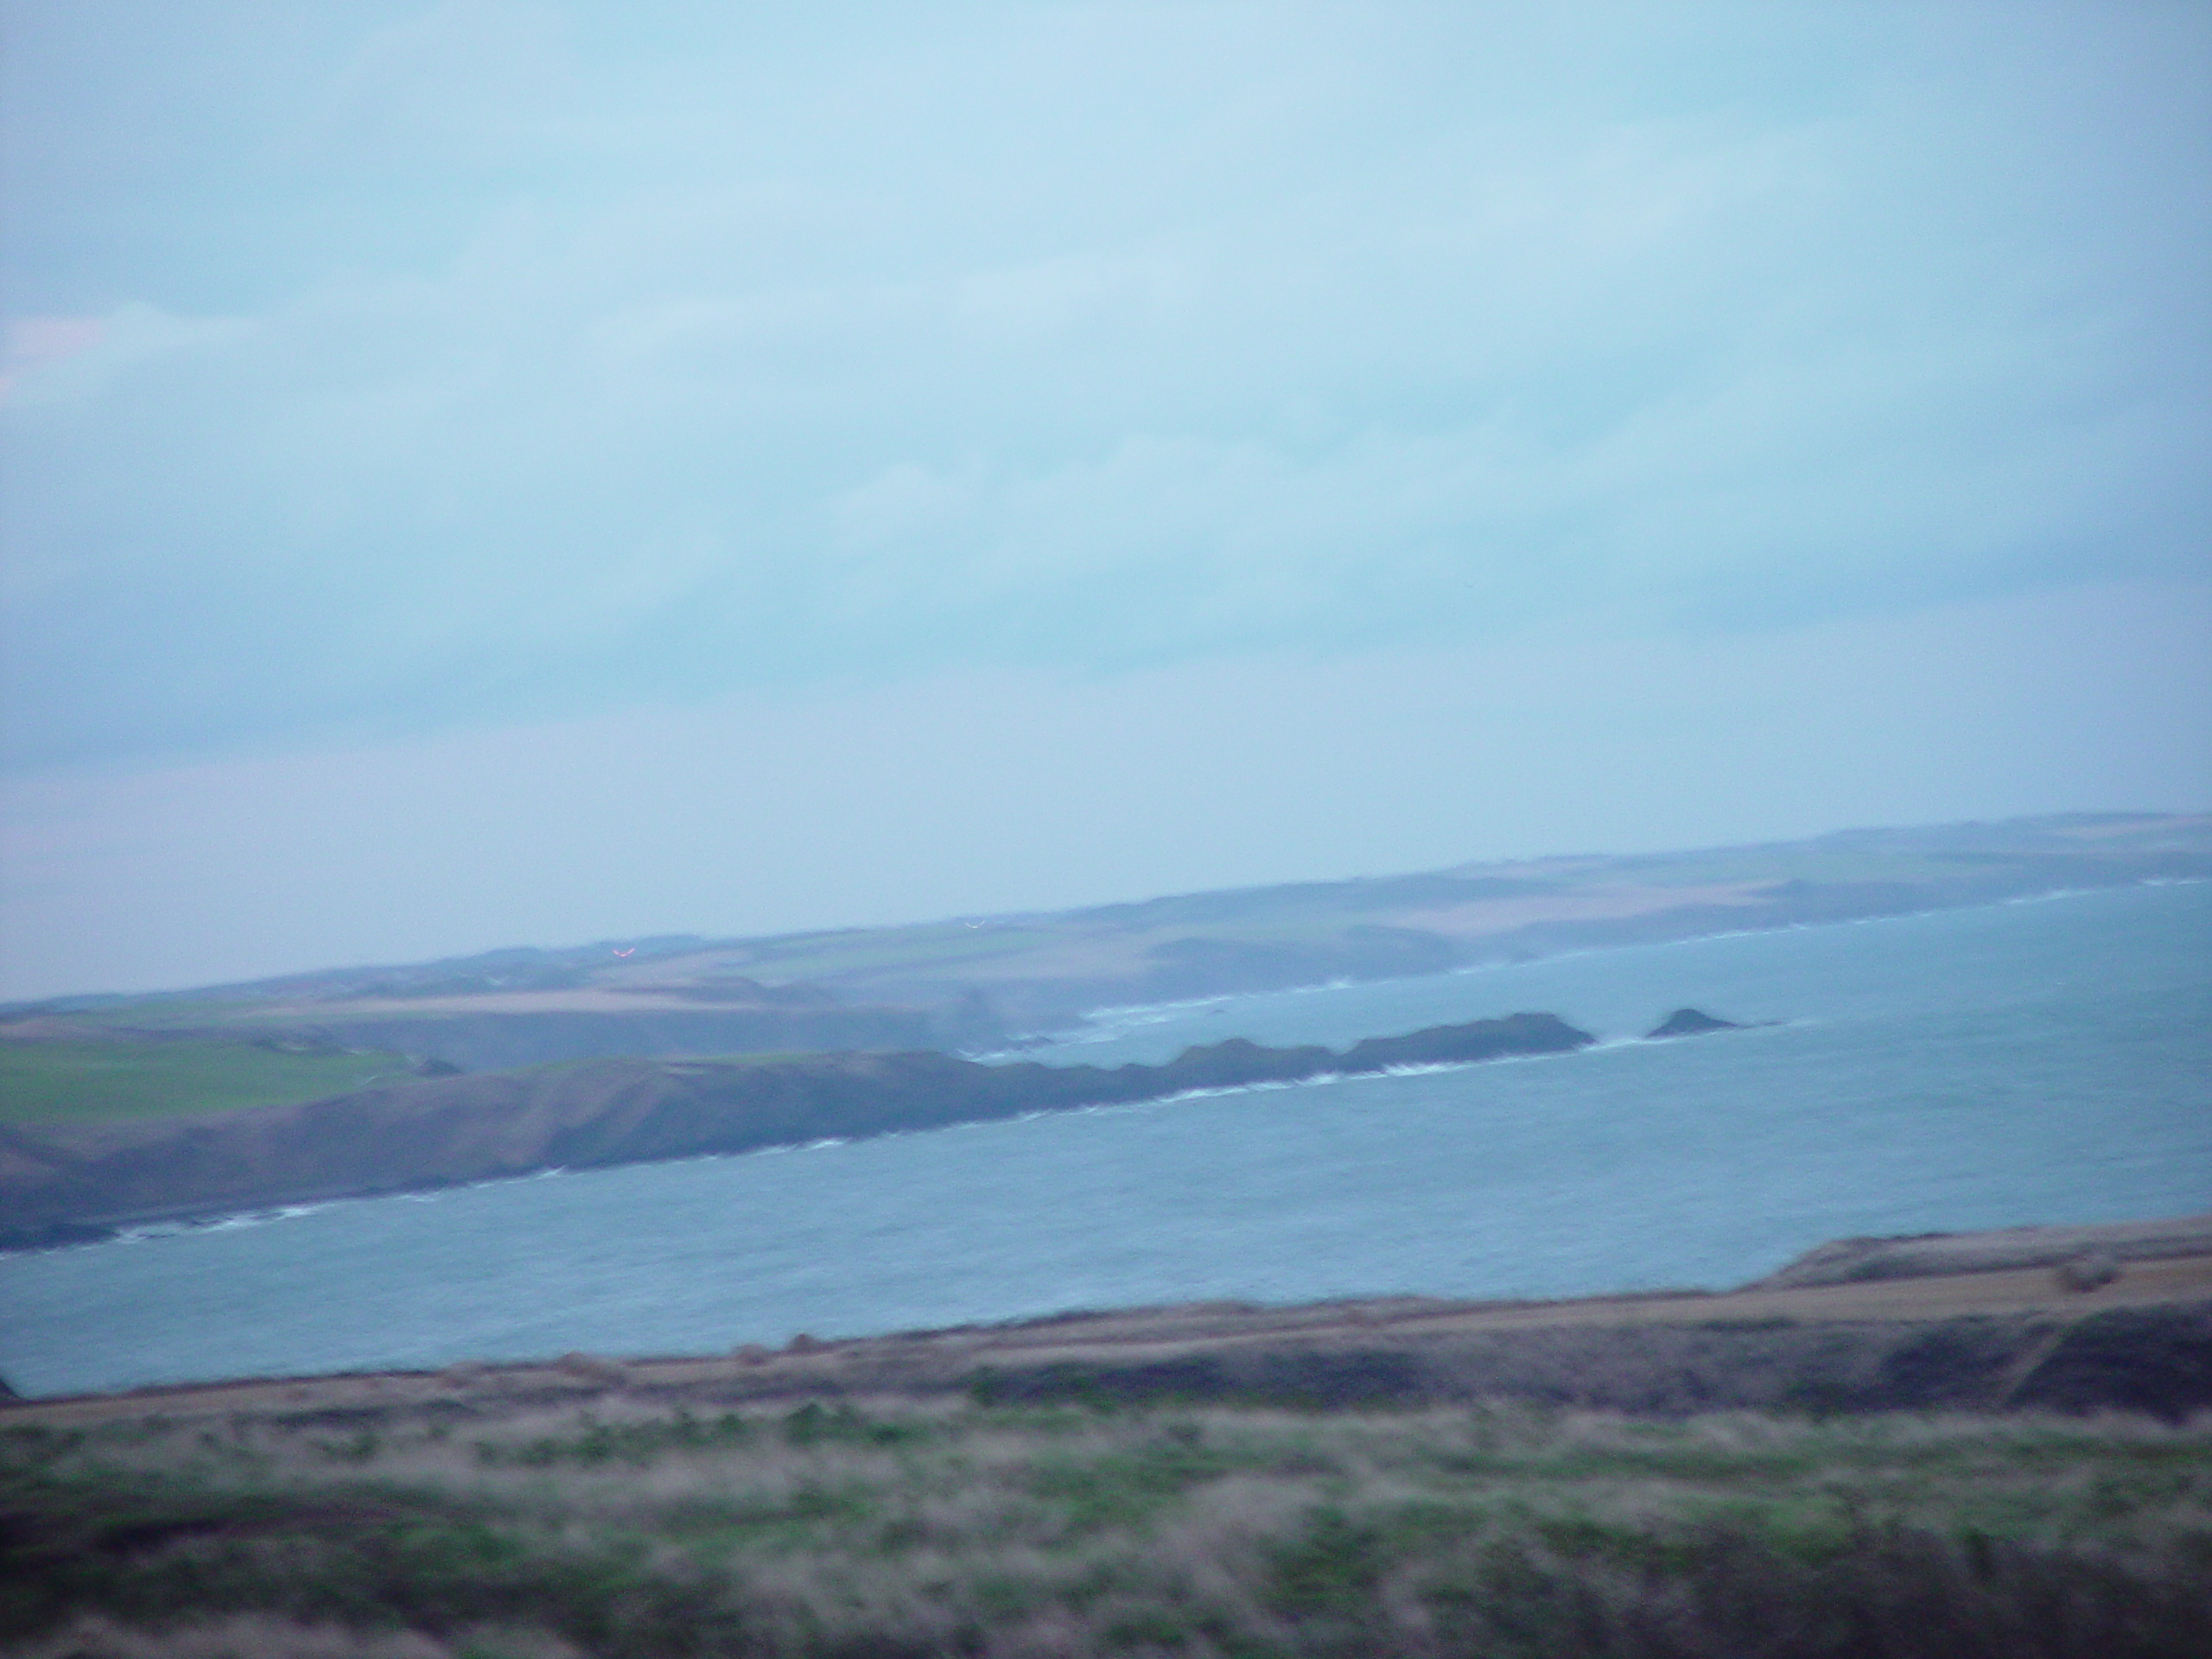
[1689, 1022]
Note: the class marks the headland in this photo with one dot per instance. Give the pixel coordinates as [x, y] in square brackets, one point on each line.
[68, 1184]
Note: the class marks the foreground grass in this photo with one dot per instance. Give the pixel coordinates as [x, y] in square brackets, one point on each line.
[96, 1081]
[913, 1530]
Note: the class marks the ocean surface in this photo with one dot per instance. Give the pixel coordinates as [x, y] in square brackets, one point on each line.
[2038, 1061]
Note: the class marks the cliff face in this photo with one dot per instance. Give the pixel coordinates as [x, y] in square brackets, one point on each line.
[56, 1184]
[1198, 966]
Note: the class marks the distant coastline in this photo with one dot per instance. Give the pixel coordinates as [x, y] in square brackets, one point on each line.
[978, 983]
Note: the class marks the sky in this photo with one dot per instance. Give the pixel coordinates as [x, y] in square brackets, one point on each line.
[493, 472]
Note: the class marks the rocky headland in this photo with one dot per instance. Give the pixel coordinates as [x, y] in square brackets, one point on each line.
[65, 1184]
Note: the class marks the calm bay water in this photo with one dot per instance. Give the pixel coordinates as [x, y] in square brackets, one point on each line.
[2048, 1061]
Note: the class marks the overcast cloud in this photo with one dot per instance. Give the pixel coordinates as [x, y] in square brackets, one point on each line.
[385, 378]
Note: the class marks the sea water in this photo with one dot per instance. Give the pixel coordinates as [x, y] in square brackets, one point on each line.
[2034, 1062]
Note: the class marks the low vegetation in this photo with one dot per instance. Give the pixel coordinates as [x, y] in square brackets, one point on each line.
[958, 1529]
[101, 1082]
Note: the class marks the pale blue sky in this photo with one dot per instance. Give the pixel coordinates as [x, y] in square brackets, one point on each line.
[499, 473]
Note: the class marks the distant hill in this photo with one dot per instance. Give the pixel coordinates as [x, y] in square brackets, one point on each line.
[978, 982]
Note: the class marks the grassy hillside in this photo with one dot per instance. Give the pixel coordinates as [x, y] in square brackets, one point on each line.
[908, 1529]
[100, 1082]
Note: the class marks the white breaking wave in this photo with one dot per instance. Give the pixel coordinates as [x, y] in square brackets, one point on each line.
[224, 1224]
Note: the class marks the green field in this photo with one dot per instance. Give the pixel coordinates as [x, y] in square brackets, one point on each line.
[934, 944]
[626, 1531]
[100, 1082]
